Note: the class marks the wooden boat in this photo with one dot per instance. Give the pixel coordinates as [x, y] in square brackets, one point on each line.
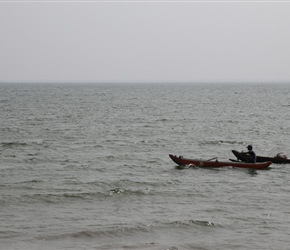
[179, 160]
[278, 159]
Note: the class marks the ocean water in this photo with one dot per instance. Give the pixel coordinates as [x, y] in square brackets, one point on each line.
[86, 166]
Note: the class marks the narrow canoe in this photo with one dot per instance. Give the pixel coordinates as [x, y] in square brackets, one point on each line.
[278, 160]
[179, 160]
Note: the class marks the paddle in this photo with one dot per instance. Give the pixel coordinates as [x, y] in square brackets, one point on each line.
[233, 160]
[212, 159]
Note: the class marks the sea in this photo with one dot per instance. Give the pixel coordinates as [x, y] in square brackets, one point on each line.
[86, 166]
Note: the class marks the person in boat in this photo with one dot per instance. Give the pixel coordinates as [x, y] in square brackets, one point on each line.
[251, 154]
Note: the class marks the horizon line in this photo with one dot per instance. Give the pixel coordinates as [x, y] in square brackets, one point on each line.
[145, 82]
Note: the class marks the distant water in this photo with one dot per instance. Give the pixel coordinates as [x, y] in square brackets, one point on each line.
[87, 167]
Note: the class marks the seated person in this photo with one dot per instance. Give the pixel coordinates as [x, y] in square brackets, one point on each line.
[251, 154]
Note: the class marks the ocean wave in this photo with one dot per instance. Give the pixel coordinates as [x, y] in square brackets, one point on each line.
[120, 231]
[8, 234]
[59, 197]
[137, 192]
[101, 233]
[12, 144]
[202, 223]
[63, 197]
[218, 142]
[85, 191]
[29, 181]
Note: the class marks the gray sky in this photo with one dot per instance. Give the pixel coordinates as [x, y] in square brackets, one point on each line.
[144, 41]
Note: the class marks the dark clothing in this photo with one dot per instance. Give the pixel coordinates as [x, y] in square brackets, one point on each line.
[253, 157]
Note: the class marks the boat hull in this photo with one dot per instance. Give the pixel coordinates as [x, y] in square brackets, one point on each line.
[179, 160]
[277, 160]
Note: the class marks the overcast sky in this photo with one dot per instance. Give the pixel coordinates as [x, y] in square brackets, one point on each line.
[144, 41]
